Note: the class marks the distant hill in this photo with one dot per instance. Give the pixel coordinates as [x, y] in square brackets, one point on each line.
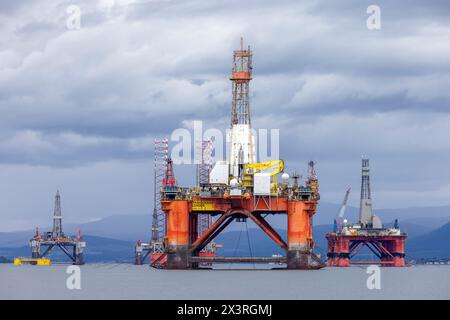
[121, 227]
[432, 217]
[236, 243]
[137, 227]
[132, 227]
[4, 260]
[428, 217]
[432, 244]
[129, 228]
[420, 214]
[15, 239]
[435, 244]
[422, 242]
[261, 244]
[430, 222]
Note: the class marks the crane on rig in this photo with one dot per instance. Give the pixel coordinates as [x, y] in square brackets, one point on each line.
[272, 168]
[340, 216]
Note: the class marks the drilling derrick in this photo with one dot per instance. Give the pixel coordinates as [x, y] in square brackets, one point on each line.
[57, 225]
[237, 190]
[347, 240]
[242, 139]
[155, 247]
[365, 209]
[71, 247]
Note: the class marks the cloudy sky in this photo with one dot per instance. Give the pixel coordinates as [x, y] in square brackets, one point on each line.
[80, 108]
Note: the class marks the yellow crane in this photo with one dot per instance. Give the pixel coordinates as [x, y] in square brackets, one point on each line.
[271, 167]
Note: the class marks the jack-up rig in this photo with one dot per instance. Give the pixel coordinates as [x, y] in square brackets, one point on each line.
[233, 190]
[387, 244]
[72, 247]
[155, 247]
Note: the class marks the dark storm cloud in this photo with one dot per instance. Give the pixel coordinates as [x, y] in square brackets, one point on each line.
[411, 10]
[138, 69]
[11, 7]
[116, 80]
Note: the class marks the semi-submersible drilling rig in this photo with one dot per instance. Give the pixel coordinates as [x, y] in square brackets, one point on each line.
[387, 244]
[237, 189]
[72, 247]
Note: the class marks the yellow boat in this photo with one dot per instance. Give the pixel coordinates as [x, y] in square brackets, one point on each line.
[34, 261]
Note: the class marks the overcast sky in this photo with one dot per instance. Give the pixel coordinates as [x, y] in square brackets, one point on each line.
[79, 109]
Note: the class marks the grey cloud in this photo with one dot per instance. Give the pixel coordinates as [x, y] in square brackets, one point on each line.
[64, 149]
[11, 7]
[336, 90]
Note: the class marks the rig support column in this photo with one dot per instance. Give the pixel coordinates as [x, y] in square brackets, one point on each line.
[177, 236]
[300, 243]
[138, 255]
[338, 252]
[396, 248]
[399, 252]
[35, 249]
[78, 252]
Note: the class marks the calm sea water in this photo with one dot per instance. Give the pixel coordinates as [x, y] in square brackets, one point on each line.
[126, 281]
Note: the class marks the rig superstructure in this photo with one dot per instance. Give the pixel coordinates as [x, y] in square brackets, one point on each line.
[236, 190]
[72, 247]
[347, 240]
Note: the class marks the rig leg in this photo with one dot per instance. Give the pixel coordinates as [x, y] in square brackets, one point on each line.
[300, 242]
[79, 259]
[338, 252]
[177, 213]
[193, 225]
[35, 249]
[399, 253]
[298, 259]
[79, 253]
[397, 249]
[138, 250]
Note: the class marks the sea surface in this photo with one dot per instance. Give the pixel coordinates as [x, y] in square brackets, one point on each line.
[126, 281]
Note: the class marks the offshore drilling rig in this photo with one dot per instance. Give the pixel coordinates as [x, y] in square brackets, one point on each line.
[72, 247]
[387, 244]
[155, 247]
[234, 190]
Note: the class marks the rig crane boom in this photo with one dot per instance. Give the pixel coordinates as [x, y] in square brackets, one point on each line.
[340, 216]
[270, 167]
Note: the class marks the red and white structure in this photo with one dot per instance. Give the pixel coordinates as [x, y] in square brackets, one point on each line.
[347, 240]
